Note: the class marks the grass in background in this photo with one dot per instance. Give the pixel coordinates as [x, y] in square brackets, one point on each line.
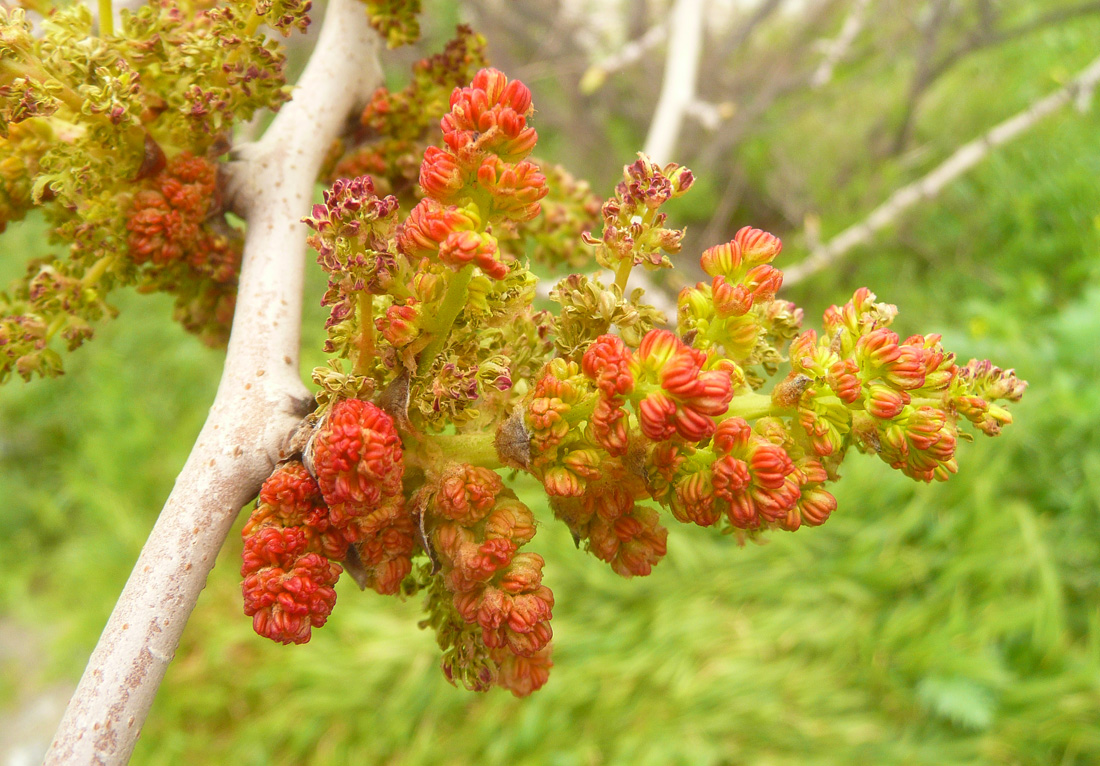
[946, 624]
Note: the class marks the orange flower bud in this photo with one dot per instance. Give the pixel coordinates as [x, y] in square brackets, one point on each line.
[757, 246]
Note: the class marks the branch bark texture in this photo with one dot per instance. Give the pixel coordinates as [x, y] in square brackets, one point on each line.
[260, 401]
[963, 159]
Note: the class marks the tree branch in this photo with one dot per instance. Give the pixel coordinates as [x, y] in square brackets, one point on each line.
[685, 46]
[633, 51]
[985, 37]
[259, 402]
[837, 48]
[963, 159]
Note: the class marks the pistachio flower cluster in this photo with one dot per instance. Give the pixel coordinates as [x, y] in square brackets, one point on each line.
[454, 376]
[112, 133]
[396, 128]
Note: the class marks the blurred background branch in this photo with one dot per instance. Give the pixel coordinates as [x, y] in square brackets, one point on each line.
[1080, 88]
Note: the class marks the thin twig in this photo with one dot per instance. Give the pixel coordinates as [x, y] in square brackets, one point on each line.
[837, 48]
[259, 401]
[963, 159]
[633, 51]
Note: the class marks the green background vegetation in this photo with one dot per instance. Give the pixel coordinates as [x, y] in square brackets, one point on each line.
[947, 624]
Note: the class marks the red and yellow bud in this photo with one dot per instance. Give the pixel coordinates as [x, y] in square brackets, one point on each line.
[757, 246]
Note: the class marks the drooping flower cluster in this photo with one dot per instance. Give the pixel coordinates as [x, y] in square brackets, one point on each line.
[288, 567]
[303, 527]
[176, 235]
[454, 376]
[499, 631]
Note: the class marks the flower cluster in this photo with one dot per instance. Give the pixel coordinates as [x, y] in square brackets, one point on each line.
[437, 292]
[503, 610]
[479, 179]
[634, 231]
[352, 512]
[455, 376]
[181, 244]
[112, 133]
[681, 414]
[396, 20]
[287, 568]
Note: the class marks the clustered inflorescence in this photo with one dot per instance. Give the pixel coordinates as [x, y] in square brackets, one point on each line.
[114, 134]
[443, 374]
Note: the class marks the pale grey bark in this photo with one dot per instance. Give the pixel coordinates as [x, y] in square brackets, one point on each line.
[260, 401]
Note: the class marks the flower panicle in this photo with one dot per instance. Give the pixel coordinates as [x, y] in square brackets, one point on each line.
[677, 414]
[634, 231]
[477, 528]
[479, 178]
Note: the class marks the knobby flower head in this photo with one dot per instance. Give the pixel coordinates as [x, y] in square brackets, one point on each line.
[357, 455]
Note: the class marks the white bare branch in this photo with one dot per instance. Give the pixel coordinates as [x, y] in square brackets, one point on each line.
[963, 159]
[596, 75]
[837, 48]
[260, 401]
[710, 116]
[685, 48]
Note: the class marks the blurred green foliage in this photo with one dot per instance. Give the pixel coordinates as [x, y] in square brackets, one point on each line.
[946, 624]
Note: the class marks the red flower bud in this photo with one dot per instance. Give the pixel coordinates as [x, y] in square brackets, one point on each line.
[440, 176]
[516, 620]
[732, 434]
[690, 398]
[467, 493]
[515, 190]
[607, 426]
[291, 500]
[884, 402]
[464, 247]
[357, 454]
[400, 325]
[632, 543]
[510, 520]
[607, 361]
[523, 675]
[693, 501]
[430, 223]
[844, 379]
[286, 604]
[721, 260]
[561, 482]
